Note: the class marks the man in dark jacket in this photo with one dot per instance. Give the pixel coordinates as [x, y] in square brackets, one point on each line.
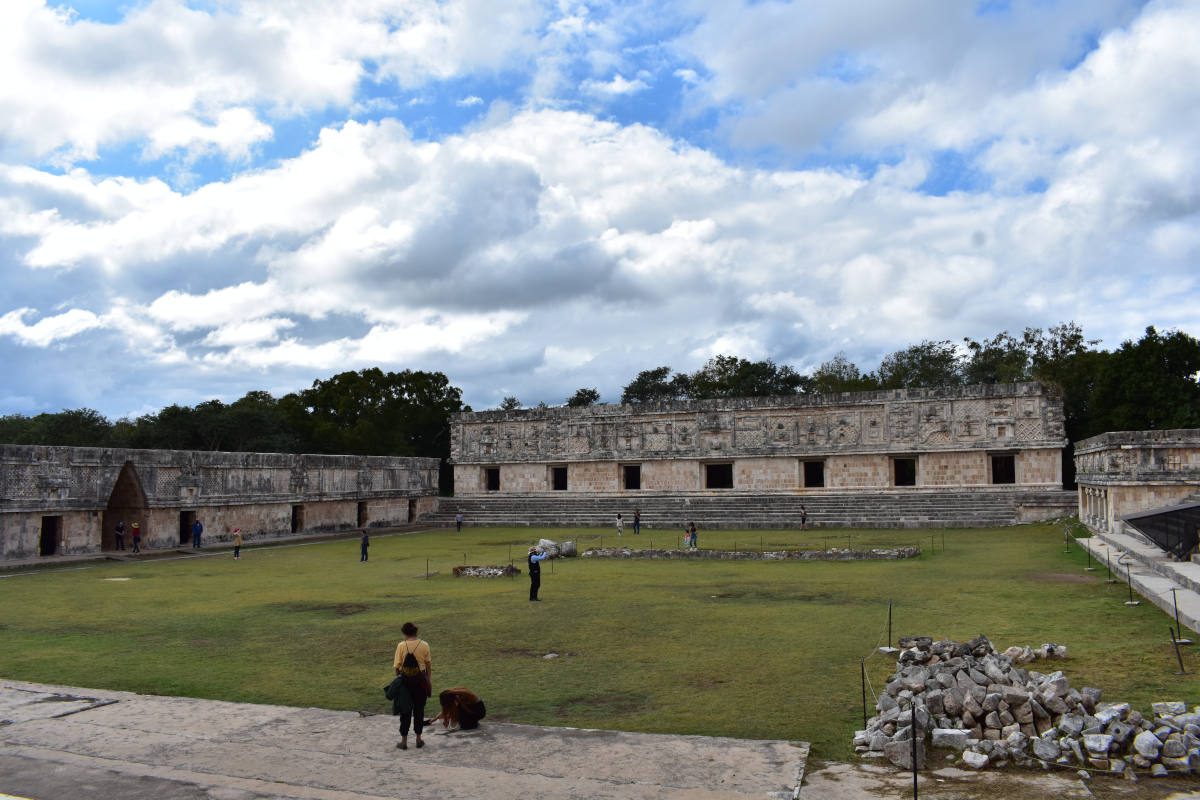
[535, 572]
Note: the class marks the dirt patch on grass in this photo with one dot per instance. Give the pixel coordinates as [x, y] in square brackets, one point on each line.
[340, 609]
[1062, 577]
[608, 704]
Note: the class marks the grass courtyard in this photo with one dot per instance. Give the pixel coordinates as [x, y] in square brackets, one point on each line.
[725, 648]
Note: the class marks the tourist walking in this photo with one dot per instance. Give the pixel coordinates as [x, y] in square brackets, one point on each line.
[366, 542]
[136, 531]
[237, 543]
[620, 524]
[637, 522]
[535, 572]
[414, 671]
[197, 529]
[458, 518]
[691, 536]
[803, 517]
[121, 535]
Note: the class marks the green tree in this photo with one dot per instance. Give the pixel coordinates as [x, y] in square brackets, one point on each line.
[80, 427]
[1150, 384]
[1001, 359]
[510, 404]
[839, 374]
[655, 386]
[583, 398]
[926, 364]
[730, 376]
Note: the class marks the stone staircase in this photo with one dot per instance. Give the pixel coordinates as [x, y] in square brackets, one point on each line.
[916, 509]
[1152, 572]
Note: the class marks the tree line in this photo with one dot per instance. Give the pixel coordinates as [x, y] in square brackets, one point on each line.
[1150, 383]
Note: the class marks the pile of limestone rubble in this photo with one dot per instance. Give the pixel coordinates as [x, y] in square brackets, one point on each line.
[969, 698]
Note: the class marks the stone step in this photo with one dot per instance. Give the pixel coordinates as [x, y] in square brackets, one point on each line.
[1152, 572]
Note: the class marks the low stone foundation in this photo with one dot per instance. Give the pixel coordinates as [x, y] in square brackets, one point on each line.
[490, 571]
[832, 554]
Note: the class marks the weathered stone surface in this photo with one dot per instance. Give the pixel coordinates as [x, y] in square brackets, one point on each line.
[1147, 744]
[1098, 743]
[1158, 771]
[952, 703]
[992, 720]
[900, 753]
[1169, 707]
[1173, 748]
[1176, 764]
[1046, 749]
[951, 739]
[1071, 724]
[975, 760]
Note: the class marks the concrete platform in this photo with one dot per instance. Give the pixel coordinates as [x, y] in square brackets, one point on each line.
[56, 741]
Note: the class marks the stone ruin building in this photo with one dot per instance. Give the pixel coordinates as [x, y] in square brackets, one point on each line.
[948, 456]
[1145, 480]
[68, 500]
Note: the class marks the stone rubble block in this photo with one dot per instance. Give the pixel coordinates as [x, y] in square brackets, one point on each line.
[969, 698]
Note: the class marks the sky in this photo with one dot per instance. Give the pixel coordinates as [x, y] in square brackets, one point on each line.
[202, 199]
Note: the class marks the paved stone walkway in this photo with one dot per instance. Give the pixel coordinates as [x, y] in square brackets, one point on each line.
[239, 750]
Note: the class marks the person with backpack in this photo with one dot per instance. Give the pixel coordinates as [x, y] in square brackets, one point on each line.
[414, 670]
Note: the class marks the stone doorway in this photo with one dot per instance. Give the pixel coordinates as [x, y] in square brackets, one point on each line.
[297, 519]
[363, 517]
[186, 518]
[126, 503]
[51, 537]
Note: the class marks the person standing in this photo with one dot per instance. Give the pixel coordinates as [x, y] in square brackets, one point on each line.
[136, 530]
[637, 522]
[121, 535]
[366, 542]
[458, 518]
[803, 517]
[620, 524]
[691, 531]
[414, 665]
[535, 572]
[237, 543]
[197, 529]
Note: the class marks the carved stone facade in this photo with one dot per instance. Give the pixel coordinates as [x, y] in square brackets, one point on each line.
[69, 499]
[1002, 436]
[1127, 472]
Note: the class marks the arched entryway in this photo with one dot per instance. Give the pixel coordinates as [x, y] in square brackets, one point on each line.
[126, 503]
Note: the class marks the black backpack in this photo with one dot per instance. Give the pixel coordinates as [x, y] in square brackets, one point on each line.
[409, 666]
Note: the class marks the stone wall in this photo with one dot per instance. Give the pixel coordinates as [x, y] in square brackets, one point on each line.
[69, 499]
[950, 434]
[1125, 472]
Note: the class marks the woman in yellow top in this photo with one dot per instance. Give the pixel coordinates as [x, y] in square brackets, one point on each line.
[418, 677]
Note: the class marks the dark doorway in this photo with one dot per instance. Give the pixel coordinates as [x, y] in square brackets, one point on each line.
[718, 476]
[362, 514]
[1004, 469]
[186, 518]
[632, 476]
[905, 471]
[51, 535]
[412, 509]
[558, 478]
[493, 479]
[297, 519]
[814, 474]
[126, 503]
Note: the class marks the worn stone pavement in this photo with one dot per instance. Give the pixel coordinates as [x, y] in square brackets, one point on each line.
[187, 748]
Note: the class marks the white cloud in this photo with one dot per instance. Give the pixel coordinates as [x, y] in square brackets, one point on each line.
[617, 86]
[48, 330]
[467, 102]
[250, 332]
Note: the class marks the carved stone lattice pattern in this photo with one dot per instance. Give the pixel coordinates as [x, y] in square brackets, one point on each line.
[658, 441]
[1029, 429]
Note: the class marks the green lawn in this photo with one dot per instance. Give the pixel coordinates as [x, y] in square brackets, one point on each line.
[745, 649]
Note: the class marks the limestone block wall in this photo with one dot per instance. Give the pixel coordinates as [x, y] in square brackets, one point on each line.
[949, 430]
[953, 469]
[757, 474]
[670, 475]
[859, 471]
[1125, 472]
[68, 500]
